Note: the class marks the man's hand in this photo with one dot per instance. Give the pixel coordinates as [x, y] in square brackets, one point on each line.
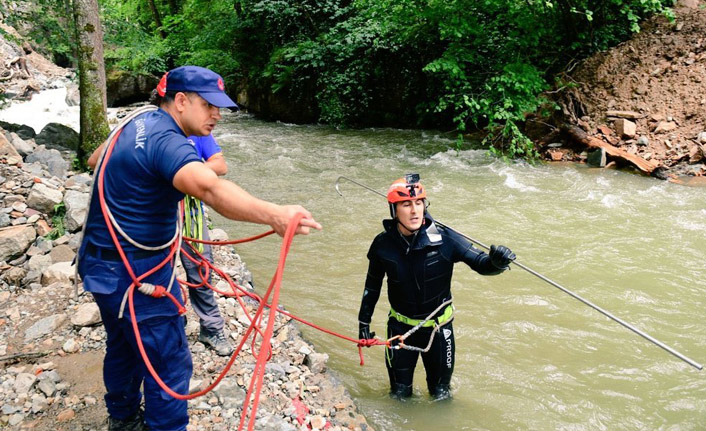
[286, 213]
[501, 256]
[364, 331]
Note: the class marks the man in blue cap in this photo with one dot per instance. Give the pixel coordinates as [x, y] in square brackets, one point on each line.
[151, 167]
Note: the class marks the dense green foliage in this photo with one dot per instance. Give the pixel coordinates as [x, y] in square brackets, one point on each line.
[453, 64]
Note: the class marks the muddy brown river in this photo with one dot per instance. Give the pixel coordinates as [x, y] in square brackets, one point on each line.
[529, 357]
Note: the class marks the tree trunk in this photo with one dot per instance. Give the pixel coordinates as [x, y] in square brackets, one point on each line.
[157, 18]
[91, 72]
[173, 7]
[580, 136]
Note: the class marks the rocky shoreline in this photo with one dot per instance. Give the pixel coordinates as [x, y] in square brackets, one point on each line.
[52, 343]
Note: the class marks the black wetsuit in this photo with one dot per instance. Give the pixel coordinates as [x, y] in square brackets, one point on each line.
[419, 270]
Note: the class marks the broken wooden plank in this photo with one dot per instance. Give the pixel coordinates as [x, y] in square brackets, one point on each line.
[577, 134]
[630, 115]
[21, 356]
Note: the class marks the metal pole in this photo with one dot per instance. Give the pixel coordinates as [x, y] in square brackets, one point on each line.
[558, 286]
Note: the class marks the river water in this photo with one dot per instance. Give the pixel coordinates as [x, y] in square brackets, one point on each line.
[529, 357]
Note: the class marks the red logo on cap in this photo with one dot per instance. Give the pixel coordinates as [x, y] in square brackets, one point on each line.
[162, 86]
[221, 85]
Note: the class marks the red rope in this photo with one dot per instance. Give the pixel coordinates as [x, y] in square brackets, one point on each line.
[204, 282]
[205, 268]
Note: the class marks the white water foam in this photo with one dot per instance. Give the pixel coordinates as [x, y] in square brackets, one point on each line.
[512, 182]
[48, 106]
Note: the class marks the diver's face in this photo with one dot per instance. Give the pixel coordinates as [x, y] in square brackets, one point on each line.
[410, 215]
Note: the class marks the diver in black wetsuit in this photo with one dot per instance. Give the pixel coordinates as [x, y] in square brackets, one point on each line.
[418, 257]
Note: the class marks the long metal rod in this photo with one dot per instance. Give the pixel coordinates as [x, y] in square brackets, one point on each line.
[555, 284]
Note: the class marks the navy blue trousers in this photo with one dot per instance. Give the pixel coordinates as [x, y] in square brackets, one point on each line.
[162, 334]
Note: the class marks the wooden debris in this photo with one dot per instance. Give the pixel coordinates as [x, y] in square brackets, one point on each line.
[580, 136]
[21, 356]
[630, 115]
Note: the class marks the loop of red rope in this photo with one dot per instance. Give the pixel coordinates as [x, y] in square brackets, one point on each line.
[204, 268]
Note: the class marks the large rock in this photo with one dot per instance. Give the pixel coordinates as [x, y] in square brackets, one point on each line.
[62, 272]
[228, 392]
[597, 158]
[39, 262]
[45, 326]
[6, 148]
[15, 240]
[23, 131]
[24, 148]
[87, 314]
[43, 198]
[124, 88]
[51, 159]
[5, 220]
[76, 208]
[625, 128]
[14, 275]
[696, 153]
[691, 4]
[24, 382]
[62, 253]
[81, 182]
[56, 135]
[316, 362]
[665, 126]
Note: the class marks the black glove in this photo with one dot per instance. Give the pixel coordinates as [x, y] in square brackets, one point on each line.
[501, 256]
[364, 331]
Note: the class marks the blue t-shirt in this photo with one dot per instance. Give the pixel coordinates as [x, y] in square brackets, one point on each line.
[206, 146]
[138, 182]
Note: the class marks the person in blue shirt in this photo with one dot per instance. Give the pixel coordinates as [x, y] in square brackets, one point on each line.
[152, 166]
[202, 298]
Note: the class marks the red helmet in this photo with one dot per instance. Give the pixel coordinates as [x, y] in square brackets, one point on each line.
[406, 189]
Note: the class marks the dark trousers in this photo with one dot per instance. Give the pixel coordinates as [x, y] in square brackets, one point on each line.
[124, 371]
[202, 299]
[162, 333]
[438, 361]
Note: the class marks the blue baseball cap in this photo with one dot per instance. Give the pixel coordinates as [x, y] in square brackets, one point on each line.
[205, 82]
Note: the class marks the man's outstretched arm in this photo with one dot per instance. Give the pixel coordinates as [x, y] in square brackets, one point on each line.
[231, 201]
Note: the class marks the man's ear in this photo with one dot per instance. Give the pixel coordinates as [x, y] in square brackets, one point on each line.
[180, 101]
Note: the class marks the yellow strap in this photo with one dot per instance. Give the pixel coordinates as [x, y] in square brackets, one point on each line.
[440, 320]
[193, 210]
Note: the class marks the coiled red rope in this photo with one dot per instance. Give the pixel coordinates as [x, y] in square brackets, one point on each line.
[264, 353]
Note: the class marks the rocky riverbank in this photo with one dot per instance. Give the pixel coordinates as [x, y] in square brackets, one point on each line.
[52, 342]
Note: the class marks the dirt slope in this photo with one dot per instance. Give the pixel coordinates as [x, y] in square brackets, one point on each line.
[659, 76]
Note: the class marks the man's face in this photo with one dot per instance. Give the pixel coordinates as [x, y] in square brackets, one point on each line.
[411, 215]
[198, 116]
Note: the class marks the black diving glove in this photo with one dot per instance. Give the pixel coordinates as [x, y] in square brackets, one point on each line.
[501, 256]
[364, 331]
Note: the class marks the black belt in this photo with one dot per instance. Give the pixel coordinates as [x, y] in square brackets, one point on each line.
[112, 254]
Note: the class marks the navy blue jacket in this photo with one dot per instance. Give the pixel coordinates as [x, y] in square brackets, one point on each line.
[419, 271]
